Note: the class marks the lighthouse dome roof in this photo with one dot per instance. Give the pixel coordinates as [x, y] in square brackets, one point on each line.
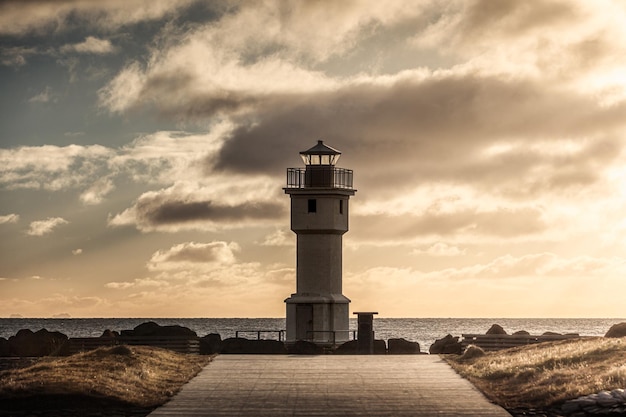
[321, 149]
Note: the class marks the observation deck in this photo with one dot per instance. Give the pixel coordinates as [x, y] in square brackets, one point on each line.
[324, 176]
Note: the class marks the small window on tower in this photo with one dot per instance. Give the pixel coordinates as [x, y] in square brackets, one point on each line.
[340, 206]
[312, 205]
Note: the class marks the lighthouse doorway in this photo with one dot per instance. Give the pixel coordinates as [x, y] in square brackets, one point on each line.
[304, 321]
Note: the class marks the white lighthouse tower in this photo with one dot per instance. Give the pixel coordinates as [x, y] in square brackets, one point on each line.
[318, 311]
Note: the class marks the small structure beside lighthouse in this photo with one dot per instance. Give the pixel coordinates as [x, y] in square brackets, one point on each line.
[320, 192]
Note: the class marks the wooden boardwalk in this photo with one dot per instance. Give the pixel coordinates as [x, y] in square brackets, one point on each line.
[328, 385]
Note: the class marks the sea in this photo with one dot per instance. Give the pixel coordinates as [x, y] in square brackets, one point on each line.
[422, 330]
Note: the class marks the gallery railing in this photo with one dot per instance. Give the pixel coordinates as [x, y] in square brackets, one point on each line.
[319, 177]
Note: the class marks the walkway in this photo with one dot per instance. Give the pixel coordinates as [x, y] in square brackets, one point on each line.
[328, 385]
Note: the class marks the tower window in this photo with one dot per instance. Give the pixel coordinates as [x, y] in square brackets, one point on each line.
[312, 205]
[340, 206]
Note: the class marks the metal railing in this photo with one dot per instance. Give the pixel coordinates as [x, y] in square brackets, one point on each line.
[310, 334]
[259, 332]
[326, 177]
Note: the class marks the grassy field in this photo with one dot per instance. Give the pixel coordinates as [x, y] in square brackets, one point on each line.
[119, 377]
[547, 374]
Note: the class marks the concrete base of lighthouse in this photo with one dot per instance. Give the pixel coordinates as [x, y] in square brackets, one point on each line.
[321, 319]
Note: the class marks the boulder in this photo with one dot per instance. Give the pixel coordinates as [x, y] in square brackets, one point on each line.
[238, 345]
[402, 347]
[110, 334]
[496, 329]
[210, 344]
[472, 351]
[351, 348]
[551, 334]
[617, 330]
[40, 343]
[521, 333]
[302, 347]
[380, 347]
[4, 347]
[347, 348]
[447, 345]
[151, 328]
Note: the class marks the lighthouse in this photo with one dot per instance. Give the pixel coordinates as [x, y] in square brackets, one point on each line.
[320, 192]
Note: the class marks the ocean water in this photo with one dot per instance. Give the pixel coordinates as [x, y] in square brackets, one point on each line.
[422, 330]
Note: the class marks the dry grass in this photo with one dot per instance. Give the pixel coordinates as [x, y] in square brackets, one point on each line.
[135, 376]
[547, 374]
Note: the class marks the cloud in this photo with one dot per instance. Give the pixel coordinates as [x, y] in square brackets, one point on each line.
[16, 56]
[246, 55]
[44, 97]
[43, 227]
[97, 191]
[190, 265]
[417, 119]
[411, 119]
[547, 265]
[161, 158]
[440, 249]
[118, 285]
[24, 17]
[500, 223]
[190, 254]
[165, 157]
[185, 206]
[278, 238]
[9, 218]
[51, 167]
[91, 45]
[158, 212]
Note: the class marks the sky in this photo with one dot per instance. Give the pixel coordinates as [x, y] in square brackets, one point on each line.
[144, 146]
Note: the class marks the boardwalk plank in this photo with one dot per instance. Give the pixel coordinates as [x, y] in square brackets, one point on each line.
[327, 385]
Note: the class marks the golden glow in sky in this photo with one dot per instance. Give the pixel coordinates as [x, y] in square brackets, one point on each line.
[144, 146]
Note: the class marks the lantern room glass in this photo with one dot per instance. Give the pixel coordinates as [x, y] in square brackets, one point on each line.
[320, 159]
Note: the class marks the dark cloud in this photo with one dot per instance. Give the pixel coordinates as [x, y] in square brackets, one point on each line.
[163, 211]
[432, 130]
[184, 102]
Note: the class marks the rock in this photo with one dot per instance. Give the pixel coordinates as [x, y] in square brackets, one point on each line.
[347, 348]
[41, 343]
[238, 345]
[380, 347]
[605, 399]
[570, 407]
[110, 334]
[617, 330]
[551, 334]
[302, 347]
[447, 345]
[521, 333]
[471, 352]
[4, 347]
[620, 394]
[151, 328]
[402, 347]
[453, 349]
[496, 329]
[351, 348]
[210, 344]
